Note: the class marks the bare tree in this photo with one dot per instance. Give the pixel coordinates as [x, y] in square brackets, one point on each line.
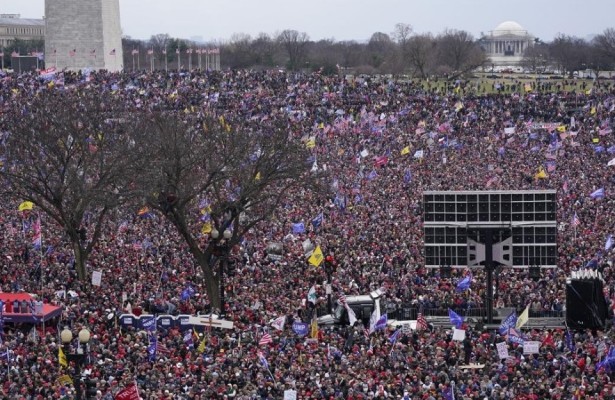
[536, 57]
[380, 48]
[569, 52]
[420, 53]
[73, 158]
[459, 52]
[402, 34]
[159, 44]
[606, 42]
[206, 177]
[296, 44]
[264, 48]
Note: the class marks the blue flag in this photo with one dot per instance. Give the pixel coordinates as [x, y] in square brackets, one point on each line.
[597, 194]
[456, 319]
[394, 336]
[263, 361]
[407, 176]
[149, 323]
[299, 227]
[187, 293]
[381, 323]
[515, 336]
[570, 341]
[300, 328]
[317, 221]
[464, 284]
[509, 322]
[151, 349]
[609, 242]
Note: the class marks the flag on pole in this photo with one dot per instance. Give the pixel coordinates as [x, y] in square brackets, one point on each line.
[523, 318]
[72, 53]
[265, 339]
[62, 358]
[421, 322]
[316, 257]
[456, 319]
[464, 284]
[37, 236]
[575, 220]
[609, 242]
[509, 322]
[311, 296]
[112, 52]
[279, 323]
[394, 336]
[597, 194]
[263, 360]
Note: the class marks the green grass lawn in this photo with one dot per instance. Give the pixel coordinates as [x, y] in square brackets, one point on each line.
[482, 84]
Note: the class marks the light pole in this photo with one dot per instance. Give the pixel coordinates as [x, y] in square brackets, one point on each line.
[221, 250]
[77, 358]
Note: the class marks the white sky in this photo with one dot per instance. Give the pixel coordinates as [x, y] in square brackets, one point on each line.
[346, 19]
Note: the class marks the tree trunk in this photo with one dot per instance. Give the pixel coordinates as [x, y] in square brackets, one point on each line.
[80, 260]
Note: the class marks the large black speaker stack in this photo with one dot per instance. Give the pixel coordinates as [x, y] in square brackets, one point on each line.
[586, 306]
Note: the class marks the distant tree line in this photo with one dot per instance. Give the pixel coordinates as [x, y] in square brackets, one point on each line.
[451, 53]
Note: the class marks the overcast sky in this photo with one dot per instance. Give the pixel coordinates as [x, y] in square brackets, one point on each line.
[346, 19]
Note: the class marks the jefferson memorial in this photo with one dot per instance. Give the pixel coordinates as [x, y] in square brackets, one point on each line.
[505, 45]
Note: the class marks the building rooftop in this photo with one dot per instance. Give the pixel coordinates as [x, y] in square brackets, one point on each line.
[21, 21]
[509, 28]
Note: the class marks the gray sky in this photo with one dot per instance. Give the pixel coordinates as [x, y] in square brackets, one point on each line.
[346, 19]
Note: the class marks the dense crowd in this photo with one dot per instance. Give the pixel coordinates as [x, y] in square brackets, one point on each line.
[383, 142]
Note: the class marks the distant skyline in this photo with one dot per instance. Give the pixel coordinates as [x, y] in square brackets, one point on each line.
[340, 20]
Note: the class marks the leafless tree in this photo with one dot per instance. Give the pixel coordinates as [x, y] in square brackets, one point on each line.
[420, 53]
[296, 45]
[569, 52]
[605, 42]
[205, 176]
[536, 57]
[459, 52]
[380, 48]
[73, 156]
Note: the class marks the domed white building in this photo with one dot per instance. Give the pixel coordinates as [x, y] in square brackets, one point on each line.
[506, 44]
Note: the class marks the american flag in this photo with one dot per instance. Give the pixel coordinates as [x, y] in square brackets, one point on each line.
[575, 220]
[265, 339]
[72, 52]
[135, 51]
[421, 323]
[137, 246]
[112, 52]
[161, 348]
[37, 236]
[150, 51]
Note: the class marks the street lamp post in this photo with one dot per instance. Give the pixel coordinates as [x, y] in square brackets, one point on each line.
[77, 358]
[221, 250]
[329, 267]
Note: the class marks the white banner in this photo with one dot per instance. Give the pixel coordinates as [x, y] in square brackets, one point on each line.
[290, 394]
[459, 334]
[531, 347]
[96, 278]
[502, 350]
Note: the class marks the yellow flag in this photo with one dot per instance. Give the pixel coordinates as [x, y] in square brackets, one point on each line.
[65, 380]
[588, 92]
[62, 358]
[528, 87]
[206, 228]
[316, 257]
[541, 174]
[595, 140]
[314, 329]
[25, 205]
[202, 346]
[561, 128]
[405, 150]
[258, 176]
[523, 318]
[592, 111]
[311, 143]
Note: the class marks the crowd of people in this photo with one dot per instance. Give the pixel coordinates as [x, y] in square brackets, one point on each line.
[383, 142]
